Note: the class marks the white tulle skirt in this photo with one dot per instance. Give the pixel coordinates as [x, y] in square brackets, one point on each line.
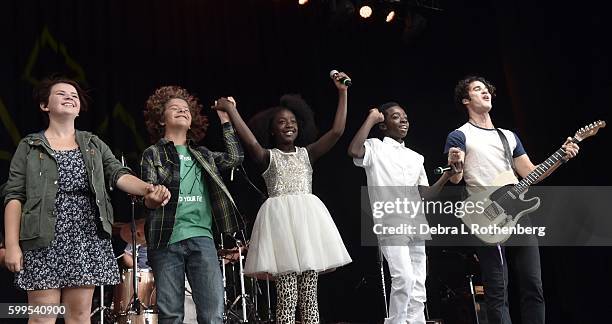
[294, 233]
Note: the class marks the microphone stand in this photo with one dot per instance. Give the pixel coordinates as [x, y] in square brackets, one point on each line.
[135, 305]
[223, 274]
[469, 277]
[270, 319]
[382, 277]
[246, 302]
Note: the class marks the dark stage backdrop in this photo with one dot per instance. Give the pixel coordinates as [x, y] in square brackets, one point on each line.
[550, 63]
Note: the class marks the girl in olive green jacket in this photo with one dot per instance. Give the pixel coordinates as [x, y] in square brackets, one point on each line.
[58, 214]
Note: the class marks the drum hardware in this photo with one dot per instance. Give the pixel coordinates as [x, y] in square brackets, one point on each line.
[136, 302]
[247, 305]
[147, 317]
[123, 292]
[100, 308]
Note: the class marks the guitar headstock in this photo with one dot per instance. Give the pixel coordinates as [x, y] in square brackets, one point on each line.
[589, 130]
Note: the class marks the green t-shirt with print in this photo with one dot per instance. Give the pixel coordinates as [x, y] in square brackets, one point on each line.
[193, 212]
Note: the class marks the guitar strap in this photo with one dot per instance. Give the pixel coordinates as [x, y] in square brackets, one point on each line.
[510, 162]
[507, 152]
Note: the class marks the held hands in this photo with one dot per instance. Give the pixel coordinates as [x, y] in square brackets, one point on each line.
[223, 106]
[14, 259]
[156, 196]
[570, 148]
[456, 159]
[376, 116]
[337, 82]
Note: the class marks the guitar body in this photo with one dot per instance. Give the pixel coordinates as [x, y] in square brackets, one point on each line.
[502, 205]
[500, 209]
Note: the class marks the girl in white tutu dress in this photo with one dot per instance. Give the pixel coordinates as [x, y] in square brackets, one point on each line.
[294, 237]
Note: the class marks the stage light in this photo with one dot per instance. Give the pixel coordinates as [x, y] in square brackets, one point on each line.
[302, 2]
[390, 16]
[365, 11]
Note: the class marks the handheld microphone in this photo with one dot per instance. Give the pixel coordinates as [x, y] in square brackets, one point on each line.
[344, 80]
[440, 170]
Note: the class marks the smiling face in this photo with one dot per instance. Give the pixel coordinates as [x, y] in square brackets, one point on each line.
[63, 101]
[395, 124]
[177, 115]
[480, 100]
[284, 127]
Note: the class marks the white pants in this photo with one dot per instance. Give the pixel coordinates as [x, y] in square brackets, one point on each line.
[407, 266]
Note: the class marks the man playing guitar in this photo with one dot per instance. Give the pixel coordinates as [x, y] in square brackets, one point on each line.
[480, 145]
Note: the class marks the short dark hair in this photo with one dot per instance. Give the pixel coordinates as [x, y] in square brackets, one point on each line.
[462, 88]
[42, 91]
[388, 105]
[383, 108]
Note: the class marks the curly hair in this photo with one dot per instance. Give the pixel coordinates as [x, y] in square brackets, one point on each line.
[462, 88]
[261, 123]
[156, 105]
[42, 91]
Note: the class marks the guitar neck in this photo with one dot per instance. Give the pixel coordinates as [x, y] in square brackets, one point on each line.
[537, 173]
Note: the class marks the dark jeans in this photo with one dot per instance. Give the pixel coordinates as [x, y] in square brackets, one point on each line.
[197, 258]
[525, 263]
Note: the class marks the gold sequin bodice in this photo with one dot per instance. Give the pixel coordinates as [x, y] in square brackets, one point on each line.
[288, 173]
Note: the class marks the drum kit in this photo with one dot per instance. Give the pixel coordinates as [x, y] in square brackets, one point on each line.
[134, 298]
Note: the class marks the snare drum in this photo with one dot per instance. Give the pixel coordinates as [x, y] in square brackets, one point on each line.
[123, 293]
[147, 317]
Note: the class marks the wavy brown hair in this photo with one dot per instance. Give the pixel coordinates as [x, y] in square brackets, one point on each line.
[156, 105]
[462, 89]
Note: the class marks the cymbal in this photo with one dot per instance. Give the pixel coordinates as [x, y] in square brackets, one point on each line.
[126, 232]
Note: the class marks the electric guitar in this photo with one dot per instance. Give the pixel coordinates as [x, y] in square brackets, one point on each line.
[503, 205]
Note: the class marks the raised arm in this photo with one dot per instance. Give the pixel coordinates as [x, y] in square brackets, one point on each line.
[260, 155]
[356, 148]
[329, 139]
[233, 154]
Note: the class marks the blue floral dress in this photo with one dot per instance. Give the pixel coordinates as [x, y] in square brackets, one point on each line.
[80, 254]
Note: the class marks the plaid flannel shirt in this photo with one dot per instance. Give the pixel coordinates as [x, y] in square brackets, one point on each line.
[160, 165]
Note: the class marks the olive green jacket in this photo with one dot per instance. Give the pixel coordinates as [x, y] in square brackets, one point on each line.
[33, 180]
